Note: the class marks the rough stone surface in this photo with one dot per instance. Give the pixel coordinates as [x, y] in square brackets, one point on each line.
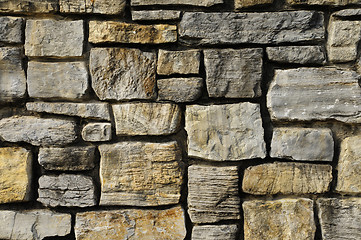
[239, 4]
[140, 173]
[131, 224]
[323, 2]
[123, 74]
[263, 28]
[308, 144]
[154, 15]
[213, 194]
[347, 13]
[91, 6]
[315, 94]
[94, 110]
[182, 62]
[61, 80]
[34, 224]
[15, 174]
[287, 178]
[233, 73]
[297, 54]
[28, 6]
[54, 38]
[66, 190]
[67, 159]
[97, 132]
[285, 219]
[121, 32]
[225, 132]
[202, 3]
[340, 218]
[146, 118]
[180, 89]
[37, 131]
[11, 29]
[214, 232]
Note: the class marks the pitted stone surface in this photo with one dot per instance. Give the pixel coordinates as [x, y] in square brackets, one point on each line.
[28, 6]
[11, 29]
[297, 54]
[180, 89]
[147, 15]
[214, 232]
[92, 6]
[239, 4]
[97, 132]
[347, 13]
[181, 62]
[323, 2]
[202, 3]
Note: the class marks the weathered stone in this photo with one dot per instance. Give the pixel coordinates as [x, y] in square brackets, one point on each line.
[34, 224]
[146, 118]
[297, 54]
[131, 224]
[147, 15]
[121, 32]
[340, 218]
[287, 178]
[37, 131]
[233, 73]
[67, 159]
[182, 62]
[239, 4]
[91, 6]
[54, 38]
[323, 2]
[11, 29]
[262, 28]
[202, 3]
[97, 132]
[94, 110]
[12, 74]
[123, 74]
[15, 174]
[180, 89]
[304, 144]
[214, 232]
[315, 94]
[225, 132]
[347, 13]
[140, 173]
[285, 219]
[213, 194]
[28, 6]
[66, 190]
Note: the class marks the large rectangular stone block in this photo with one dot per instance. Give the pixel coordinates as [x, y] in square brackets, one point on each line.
[111, 7]
[28, 6]
[11, 29]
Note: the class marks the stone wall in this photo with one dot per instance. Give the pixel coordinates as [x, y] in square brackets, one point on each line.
[180, 119]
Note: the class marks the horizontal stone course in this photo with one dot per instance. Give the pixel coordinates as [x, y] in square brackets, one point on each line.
[203, 3]
[214, 232]
[147, 15]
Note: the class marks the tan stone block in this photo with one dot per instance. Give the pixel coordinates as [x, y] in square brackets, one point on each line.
[181, 62]
[28, 6]
[93, 6]
[239, 4]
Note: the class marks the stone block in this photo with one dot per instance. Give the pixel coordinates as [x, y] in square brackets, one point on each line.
[201, 3]
[156, 15]
[29, 6]
[181, 62]
[97, 132]
[11, 29]
[239, 4]
[324, 2]
[180, 89]
[111, 7]
[214, 232]
[296, 54]
[347, 13]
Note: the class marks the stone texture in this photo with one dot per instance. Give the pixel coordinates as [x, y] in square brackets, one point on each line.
[12, 74]
[261, 28]
[140, 173]
[11, 29]
[323, 2]
[131, 224]
[214, 232]
[239, 4]
[54, 38]
[285, 219]
[146, 118]
[91, 6]
[297, 54]
[340, 218]
[15, 174]
[34, 224]
[67, 159]
[94, 110]
[97, 132]
[180, 89]
[315, 94]
[225, 132]
[121, 32]
[233, 73]
[181, 62]
[213, 194]
[287, 178]
[303, 144]
[156, 15]
[28, 6]
[347, 13]
[66, 190]
[201, 3]
[122, 73]
[37, 131]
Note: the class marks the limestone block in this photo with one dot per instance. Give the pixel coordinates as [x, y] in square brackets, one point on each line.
[91, 6]
[180, 89]
[122, 73]
[155, 15]
[297, 54]
[284, 219]
[227, 132]
[233, 73]
[67, 159]
[259, 28]
[54, 38]
[239, 4]
[182, 62]
[121, 32]
[28, 6]
[287, 178]
[15, 174]
[303, 144]
[37, 131]
[146, 118]
[140, 173]
[201, 3]
[67, 190]
[306, 94]
[132, 224]
[323, 2]
[215, 232]
[347, 13]
[11, 29]
[97, 132]
[213, 194]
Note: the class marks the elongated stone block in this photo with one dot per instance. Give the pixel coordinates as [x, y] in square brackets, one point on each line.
[202, 3]
[180, 89]
[181, 62]
[28, 6]
[323, 2]
[297, 54]
[11, 29]
[161, 15]
[214, 232]
[239, 4]
[347, 13]
[111, 7]
[97, 132]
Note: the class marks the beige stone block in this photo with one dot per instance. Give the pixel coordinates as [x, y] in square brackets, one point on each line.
[111, 7]
[181, 62]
